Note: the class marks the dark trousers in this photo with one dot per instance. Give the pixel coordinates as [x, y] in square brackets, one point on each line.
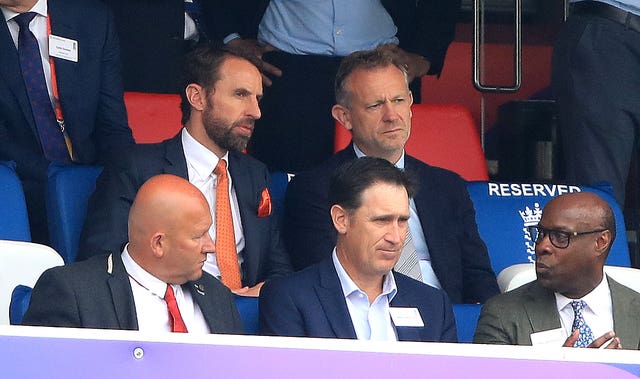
[596, 82]
[296, 130]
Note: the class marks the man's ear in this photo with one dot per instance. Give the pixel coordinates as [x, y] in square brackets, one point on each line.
[603, 242]
[339, 216]
[341, 114]
[196, 96]
[158, 244]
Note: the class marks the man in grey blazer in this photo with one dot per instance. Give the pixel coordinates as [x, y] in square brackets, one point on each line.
[572, 302]
[161, 266]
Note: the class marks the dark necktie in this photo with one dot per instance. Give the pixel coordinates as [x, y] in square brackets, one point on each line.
[49, 132]
[192, 8]
[175, 319]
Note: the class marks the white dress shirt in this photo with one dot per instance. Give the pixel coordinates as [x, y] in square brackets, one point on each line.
[38, 27]
[371, 321]
[598, 312]
[151, 309]
[415, 227]
[200, 165]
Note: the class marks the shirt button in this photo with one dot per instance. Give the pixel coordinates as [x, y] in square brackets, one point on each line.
[339, 31]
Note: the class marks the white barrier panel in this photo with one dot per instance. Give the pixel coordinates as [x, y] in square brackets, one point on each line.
[32, 352]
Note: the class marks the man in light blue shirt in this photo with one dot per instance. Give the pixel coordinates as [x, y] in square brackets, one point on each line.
[298, 45]
[355, 293]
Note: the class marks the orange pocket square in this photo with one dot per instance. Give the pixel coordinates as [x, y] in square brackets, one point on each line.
[264, 208]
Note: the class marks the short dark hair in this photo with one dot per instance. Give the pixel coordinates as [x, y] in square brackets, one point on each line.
[351, 179]
[202, 66]
[608, 222]
[364, 60]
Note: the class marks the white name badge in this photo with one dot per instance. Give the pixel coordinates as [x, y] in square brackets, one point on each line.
[555, 337]
[63, 48]
[406, 317]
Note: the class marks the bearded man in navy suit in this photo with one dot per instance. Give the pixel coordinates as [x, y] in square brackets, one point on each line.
[219, 108]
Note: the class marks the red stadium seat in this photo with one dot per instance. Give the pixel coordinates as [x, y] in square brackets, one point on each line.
[442, 135]
[153, 117]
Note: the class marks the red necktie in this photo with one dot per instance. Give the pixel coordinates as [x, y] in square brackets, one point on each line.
[226, 254]
[175, 320]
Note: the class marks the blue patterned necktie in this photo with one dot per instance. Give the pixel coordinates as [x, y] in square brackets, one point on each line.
[49, 132]
[586, 336]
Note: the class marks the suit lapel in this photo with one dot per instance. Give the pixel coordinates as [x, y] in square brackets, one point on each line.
[211, 314]
[12, 74]
[332, 300]
[248, 198]
[121, 293]
[63, 25]
[176, 163]
[626, 308]
[540, 308]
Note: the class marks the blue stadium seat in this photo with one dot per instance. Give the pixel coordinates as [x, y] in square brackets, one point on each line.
[14, 222]
[278, 182]
[248, 309]
[505, 210]
[68, 193]
[20, 298]
[466, 320]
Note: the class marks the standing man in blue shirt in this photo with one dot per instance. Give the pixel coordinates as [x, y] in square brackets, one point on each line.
[298, 46]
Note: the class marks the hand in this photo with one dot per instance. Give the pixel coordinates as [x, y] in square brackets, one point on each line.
[249, 291]
[417, 65]
[254, 51]
[598, 342]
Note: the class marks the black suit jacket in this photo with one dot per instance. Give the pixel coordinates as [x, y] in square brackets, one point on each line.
[152, 42]
[106, 224]
[310, 303]
[90, 91]
[458, 255]
[97, 294]
[426, 27]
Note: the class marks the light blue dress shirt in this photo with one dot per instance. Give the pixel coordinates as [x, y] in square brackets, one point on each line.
[370, 321]
[326, 27]
[632, 6]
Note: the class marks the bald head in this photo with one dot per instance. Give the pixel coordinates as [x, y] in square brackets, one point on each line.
[168, 229]
[586, 221]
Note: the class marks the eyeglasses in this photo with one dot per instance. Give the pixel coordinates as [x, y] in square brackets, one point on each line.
[558, 238]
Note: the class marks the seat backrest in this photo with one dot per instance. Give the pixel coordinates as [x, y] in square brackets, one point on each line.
[515, 276]
[248, 309]
[68, 193]
[278, 182]
[20, 298]
[466, 320]
[22, 263]
[504, 211]
[442, 135]
[153, 117]
[14, 222]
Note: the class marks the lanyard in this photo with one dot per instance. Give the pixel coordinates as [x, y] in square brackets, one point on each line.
[56, 98]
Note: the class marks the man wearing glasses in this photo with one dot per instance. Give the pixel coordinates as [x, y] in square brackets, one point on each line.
[572, 303]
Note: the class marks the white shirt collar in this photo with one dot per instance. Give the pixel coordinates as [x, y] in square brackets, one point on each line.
[598, 300]
[141, 276]
[399, 164]
[40, 8]
[349, 286]
[202, 160]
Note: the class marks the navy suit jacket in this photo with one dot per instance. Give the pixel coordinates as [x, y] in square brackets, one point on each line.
[90, 91]
[425, 27]
[458, 255]
[105, 228]
[310, 303]
[97, 294]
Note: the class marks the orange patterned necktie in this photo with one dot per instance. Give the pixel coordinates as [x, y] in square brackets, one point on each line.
[226, 254]
[175, 319]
